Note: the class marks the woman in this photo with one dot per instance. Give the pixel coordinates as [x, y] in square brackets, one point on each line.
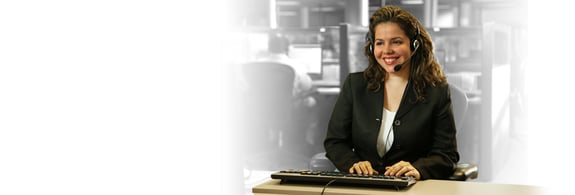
[395, 118]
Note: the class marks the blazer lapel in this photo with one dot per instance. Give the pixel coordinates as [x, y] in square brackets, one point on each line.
[407, 101]
[376, 99]
[375, 102]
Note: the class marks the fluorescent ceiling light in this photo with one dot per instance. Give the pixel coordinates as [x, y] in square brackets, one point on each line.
[288, 3]
[412, 2]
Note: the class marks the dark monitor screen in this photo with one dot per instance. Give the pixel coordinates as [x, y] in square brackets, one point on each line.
[308, 57]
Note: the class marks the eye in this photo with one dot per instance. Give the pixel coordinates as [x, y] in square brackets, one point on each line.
[378, 43]
[396, 42]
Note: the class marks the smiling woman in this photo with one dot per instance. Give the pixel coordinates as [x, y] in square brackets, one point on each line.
[395, 121]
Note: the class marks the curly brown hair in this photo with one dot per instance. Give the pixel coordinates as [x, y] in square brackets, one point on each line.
[425, 70]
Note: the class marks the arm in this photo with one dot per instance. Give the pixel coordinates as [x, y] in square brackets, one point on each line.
[304, 81]
[338, 142]
[302, 84]
[442, 157]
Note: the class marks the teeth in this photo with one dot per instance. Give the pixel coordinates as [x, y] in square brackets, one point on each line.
[388, 60]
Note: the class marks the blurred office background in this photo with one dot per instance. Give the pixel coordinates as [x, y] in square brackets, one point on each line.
[481, 44]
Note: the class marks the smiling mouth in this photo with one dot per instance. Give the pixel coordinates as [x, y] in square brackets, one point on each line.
[389, 60]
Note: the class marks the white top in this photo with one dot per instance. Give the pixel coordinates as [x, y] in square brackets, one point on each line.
[385, 137]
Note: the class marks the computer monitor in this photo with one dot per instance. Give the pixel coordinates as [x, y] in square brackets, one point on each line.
[308, 57]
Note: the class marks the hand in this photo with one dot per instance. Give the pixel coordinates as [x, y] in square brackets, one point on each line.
[402, 168]
[362, 168]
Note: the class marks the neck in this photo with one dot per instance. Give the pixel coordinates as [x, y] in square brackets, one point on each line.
[397, 77]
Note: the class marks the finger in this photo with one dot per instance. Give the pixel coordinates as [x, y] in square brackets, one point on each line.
[356, 168]
[395, 168]
[361, 168]
[352, 168]
[391, 171]
[411, 173]
[414, 173]
[402, 171]
[370, 169]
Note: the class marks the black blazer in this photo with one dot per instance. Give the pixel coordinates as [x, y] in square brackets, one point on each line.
[424, 132]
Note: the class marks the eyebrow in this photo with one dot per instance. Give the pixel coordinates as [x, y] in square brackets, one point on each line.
[394, 38]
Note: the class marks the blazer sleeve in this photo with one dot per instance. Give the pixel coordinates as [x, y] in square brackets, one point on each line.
[442, 157]
[338, 142]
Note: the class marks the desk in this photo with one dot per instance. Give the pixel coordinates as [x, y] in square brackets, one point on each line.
[325, 83]
[442, 187]
[328, 91]
[326, 87]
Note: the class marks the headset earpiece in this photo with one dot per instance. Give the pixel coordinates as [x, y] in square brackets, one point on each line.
[370, 48]
[414, 41]
[369, 42]
[415, 45]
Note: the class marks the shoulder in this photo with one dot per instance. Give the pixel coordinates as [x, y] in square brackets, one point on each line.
[356, 78]
[438, 93]
[441, 87]
[354, 82]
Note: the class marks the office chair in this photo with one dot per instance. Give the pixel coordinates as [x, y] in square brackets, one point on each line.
[268, 98]
[275, 132]
[460, 103]
[463, 171]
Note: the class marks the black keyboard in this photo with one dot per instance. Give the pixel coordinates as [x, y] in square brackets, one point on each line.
[307, 176]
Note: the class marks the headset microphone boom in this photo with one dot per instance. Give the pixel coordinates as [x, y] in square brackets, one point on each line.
[396, 68]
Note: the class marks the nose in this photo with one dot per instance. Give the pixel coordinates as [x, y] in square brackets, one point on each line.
[386, 49]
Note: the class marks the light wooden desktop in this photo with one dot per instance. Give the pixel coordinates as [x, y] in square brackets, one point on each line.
[326, 87]
[441, 187]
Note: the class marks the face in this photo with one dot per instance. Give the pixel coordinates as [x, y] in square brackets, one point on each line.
[391, 46]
